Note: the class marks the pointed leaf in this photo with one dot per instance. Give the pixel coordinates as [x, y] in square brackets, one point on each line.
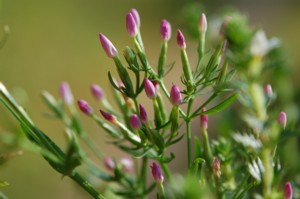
[224, 104]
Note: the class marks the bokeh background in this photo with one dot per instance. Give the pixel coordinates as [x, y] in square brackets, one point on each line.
[55, 41]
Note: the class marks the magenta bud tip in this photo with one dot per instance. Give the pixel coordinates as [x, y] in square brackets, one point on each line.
[85, 107]
[175, 95]
[180, 39]
[165, 30]
[135, 122]
[108, 47]
[149, 89]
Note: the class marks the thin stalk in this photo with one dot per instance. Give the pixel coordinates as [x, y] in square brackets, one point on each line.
[166, 169]
[207, 149]
[189, 132]
[196, 113]
[268, 174]
[86, 185]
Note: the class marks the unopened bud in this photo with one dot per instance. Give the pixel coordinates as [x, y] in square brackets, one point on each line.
[216, 167]
[203, 120]
[109, 117]
[165, 30]
[149, 89]
[175, 95]
[143, 114]
[157, 173]
[135, 122]
[282, 119]
[107, 46]
[136, 17]
[202, 23]
[85, 107]
[131, 26]
[268, 90]
[97, 92]
[288, 191]
[180, 39]
[66, 93]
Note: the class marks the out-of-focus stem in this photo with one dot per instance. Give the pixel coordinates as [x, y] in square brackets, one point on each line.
[268, 174]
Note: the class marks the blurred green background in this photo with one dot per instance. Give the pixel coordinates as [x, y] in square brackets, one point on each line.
[53, 41]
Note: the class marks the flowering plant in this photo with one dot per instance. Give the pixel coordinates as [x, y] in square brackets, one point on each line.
[231, 70]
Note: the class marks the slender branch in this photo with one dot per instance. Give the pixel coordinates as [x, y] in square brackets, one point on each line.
[86, 185]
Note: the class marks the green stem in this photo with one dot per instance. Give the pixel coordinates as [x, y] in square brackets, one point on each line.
[161, 191]
[189, 144]
[268, 174]
[189, 132]
[207, 149]
[166, 169]
[201, 47]
[86, 185]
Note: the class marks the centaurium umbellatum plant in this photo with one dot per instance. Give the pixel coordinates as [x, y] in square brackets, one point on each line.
[241, 165]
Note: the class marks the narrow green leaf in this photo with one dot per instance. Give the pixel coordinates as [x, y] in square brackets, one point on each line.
[222, 105]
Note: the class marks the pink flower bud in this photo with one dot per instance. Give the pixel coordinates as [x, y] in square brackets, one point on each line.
[202, 23]
[165, 30]
[126, 164]
[109, 163]
[143, 114]
[135, 122]
[97, 92]
[175, 95]
[281, 119]
[180, 39]
[85, 107]
[108, 47]
[288, 191]
[268, 90]
[149, 89]
[66, 93]
[157, 173]
[109, 117]
[131, 26]
[136, 17]
[203, 120]
[216, 167]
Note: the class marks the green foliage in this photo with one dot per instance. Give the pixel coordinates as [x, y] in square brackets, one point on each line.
[244, 163]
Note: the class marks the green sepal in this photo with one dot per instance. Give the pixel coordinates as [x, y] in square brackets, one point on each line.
[174, 118]
[53, 104]
[73, 158]
[157, 114]
[162, 59]
[124, 76]
[158, 140]
[162, 108]
[196, 166]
